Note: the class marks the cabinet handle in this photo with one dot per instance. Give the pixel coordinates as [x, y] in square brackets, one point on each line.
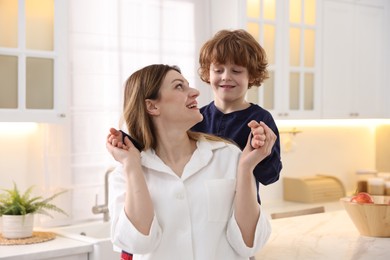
[62, 115]
[354, 114]
[283, 114]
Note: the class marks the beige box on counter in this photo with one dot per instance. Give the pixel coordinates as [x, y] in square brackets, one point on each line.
[318, 188]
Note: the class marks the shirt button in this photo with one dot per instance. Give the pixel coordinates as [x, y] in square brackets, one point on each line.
[179, 196]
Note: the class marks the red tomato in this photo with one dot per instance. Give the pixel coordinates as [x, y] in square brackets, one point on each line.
[362, 197]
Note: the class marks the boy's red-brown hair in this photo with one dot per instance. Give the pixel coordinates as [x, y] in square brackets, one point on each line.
[237, 47]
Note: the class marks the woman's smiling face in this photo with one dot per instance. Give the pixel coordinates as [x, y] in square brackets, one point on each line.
[177, 100]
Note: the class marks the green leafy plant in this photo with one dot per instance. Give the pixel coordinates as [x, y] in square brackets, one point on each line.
[12, 202]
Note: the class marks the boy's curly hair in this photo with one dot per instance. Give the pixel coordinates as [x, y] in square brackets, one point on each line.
[237, 47]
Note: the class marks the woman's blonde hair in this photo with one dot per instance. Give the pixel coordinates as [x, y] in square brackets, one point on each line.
[237, 47]
[141, 85]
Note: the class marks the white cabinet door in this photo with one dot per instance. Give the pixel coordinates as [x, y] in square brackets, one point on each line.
[369, 61]
[353, 74]
[289, 32]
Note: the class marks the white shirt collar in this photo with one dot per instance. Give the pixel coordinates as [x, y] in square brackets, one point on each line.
[200, 158]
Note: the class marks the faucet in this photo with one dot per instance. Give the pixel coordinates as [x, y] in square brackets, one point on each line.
[103, 209]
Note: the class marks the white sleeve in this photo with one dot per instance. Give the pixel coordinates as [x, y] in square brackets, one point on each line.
[262, 234]
[124, 235]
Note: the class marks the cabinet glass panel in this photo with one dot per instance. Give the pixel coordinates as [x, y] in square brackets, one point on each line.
[269, 9]
[39, 83]
[9, 81]
[309, 92]
[269, 91]
[310, 12]
[294, 91]
[309, 41]
[295, 44]
[253, 8]
[295, 11]
[40, 24]
[269, 42]
[9, 23]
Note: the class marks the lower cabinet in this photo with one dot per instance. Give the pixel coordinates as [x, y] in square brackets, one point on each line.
[73, 257]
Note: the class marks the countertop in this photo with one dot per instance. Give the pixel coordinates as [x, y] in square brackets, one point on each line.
[58, 247]
[276, 206]
[322, 236]
[329, 235]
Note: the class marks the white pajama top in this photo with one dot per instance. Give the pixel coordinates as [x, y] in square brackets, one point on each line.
[194, 218]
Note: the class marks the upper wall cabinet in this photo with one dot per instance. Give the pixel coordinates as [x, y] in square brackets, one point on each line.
[326, 57]
[289, 31]
[354, 37]
[33, 54]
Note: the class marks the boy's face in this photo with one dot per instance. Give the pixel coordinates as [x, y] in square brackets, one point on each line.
[229, 82]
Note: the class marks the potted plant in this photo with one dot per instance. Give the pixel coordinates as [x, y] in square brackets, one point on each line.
[17, 211]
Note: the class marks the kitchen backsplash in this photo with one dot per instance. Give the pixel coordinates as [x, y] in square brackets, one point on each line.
[41, 158]
[383, 148]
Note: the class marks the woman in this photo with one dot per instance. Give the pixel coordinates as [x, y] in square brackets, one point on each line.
[187, 195]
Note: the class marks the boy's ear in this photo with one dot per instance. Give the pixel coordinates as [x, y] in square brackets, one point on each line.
[151, 107]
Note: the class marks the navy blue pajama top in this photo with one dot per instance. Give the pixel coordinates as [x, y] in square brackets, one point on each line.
[234, 126]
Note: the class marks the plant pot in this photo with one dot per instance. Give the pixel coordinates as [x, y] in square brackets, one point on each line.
[18, 226]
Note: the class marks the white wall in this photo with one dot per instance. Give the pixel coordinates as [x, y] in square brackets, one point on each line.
[20, 155]
[37, 155]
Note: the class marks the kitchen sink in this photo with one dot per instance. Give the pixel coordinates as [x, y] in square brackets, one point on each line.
[97, 233]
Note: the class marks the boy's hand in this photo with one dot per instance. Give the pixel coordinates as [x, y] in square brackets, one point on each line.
[128, 153]
[115, 139]
[258, 134]
[263, 136]
[259, 146]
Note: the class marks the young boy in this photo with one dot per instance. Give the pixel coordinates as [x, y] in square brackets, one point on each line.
[232, 62]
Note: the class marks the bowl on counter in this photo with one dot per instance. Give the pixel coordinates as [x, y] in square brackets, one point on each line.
[371, 219]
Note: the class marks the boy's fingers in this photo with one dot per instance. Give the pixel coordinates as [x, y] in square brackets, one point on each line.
[128, 143]
[253, 124]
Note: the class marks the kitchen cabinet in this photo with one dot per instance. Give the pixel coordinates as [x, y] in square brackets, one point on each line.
[353, 59]
[289, 31]
[327, 58]
[73, 257]
[33, 60]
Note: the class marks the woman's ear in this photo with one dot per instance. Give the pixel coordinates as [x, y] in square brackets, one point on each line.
[151, 107]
